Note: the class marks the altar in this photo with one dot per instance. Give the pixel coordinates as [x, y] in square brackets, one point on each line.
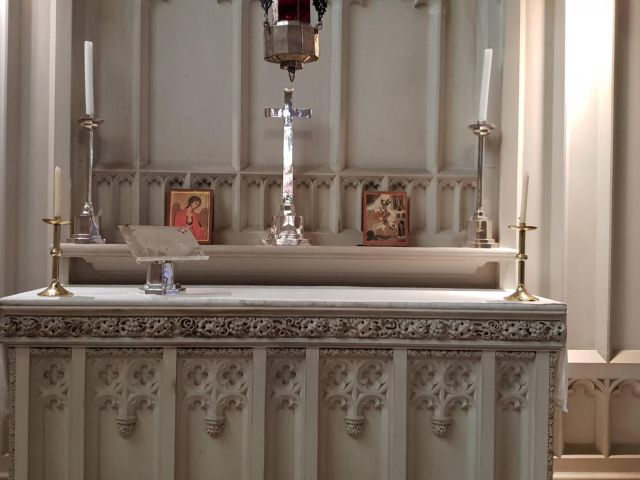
[236, 382]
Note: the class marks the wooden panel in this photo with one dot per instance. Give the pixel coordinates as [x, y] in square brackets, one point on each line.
[387, 75]
[354, 415]
[49, 414]
[190, 84]
[442, 414]
[113, 33]
[122, 396]
[213, 412]
[461, 86]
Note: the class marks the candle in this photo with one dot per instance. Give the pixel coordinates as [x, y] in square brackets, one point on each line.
[57, 198]
[88, 77]
[484, 86]
[523, 199]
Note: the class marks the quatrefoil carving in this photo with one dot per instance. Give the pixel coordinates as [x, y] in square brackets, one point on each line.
[354, 385]
[127, 385]
[215, 385]
[441, 385]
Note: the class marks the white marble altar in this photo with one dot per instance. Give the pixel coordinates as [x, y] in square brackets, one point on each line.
[234, 382]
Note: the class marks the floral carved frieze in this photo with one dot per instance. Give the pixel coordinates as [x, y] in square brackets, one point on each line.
[52, 376]
[512, 384]
[126, 385]
[442, 383]
[284, 327]
[215, 385]
[353, 385]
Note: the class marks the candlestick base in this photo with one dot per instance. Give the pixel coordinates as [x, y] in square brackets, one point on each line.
[55, 289]
[86, 227]
[286, 230]
[480, 233]
[521, 294]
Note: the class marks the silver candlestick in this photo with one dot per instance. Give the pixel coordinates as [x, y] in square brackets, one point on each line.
[86, 226]
[479, 227]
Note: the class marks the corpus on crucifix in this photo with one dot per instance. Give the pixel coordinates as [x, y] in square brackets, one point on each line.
[287, 228]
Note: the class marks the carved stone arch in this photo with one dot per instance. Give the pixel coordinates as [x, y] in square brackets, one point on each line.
[250, 180]
[588, 385]
[151, 178]
[448, 183]
[323, 181]
[272, 181]
[102, 177]
[200, 181]
[620, 385]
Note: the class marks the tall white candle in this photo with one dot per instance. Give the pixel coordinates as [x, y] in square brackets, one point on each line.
[484, 86]
[523, 199]
[88, 77]
[57, 190]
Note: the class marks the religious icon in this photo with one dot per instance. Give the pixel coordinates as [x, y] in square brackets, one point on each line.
[385, 219]
[192, 209]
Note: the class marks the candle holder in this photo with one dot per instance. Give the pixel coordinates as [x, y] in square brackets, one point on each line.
[521, 293]
[479, 227]
[86, 226]
[55, 288]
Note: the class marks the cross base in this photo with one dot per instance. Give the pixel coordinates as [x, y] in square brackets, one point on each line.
[286, 230]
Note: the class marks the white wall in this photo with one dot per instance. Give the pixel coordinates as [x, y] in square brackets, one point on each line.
[583, 193]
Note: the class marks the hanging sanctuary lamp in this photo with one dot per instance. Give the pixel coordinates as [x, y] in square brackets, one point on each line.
[289, 37]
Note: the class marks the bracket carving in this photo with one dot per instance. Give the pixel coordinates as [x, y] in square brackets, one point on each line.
[512, 384]
[53, 377]
[442, 384]
[286, 380]
[355, 385]
[215, 385]
[127, 385]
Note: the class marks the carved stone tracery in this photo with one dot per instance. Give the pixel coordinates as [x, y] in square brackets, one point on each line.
[127, 385]
[441, 384]
[355, 384]
[214, 385]
[286, 382]
[512, 384]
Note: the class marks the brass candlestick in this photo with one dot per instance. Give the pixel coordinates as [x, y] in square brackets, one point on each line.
[55, 288]
[521, 294]
[479, 227]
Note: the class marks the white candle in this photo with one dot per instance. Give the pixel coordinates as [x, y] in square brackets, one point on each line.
[88, 77]
[523, 199]
[57, 190]
[484, 86]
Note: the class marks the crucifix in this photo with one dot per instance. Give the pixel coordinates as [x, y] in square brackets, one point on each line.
[287, 228]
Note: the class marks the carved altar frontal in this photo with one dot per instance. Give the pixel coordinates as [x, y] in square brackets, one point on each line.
[281, 383]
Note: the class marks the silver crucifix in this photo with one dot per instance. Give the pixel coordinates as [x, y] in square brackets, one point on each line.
[287, 227]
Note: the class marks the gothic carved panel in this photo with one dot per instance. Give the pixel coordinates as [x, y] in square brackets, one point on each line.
[512, 382]
[355, 384]
[216, 384]
[441, 382]
[51, 376]
[286, 378]
[126, 384]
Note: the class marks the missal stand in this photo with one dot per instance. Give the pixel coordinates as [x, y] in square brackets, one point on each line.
[159, 247]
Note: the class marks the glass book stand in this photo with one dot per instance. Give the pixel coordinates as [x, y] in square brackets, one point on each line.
[159, 247]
